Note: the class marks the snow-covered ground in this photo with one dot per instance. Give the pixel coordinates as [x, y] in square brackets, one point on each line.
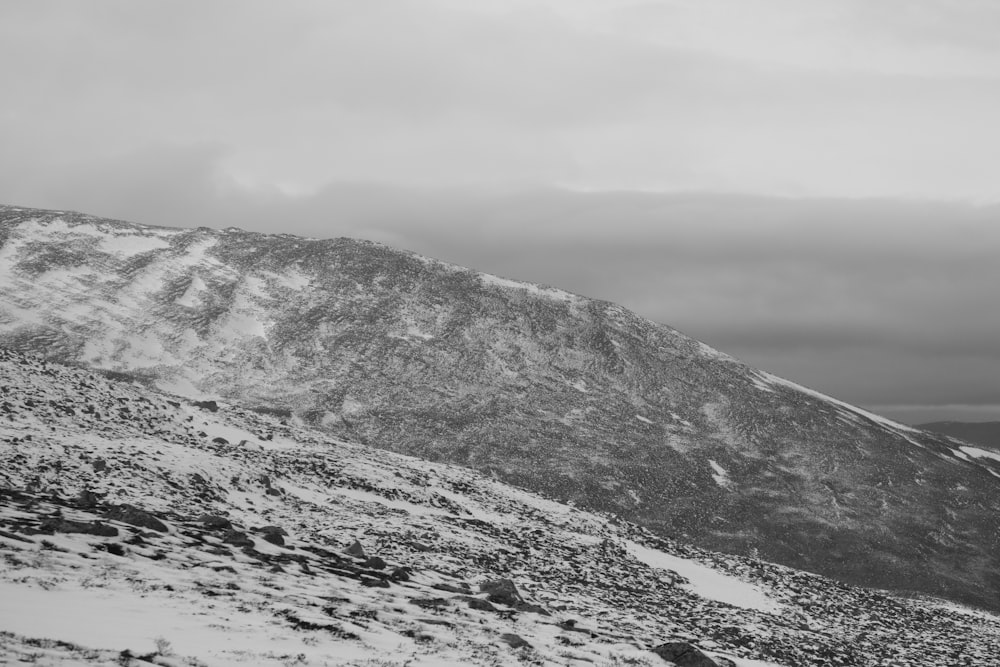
[279, 546]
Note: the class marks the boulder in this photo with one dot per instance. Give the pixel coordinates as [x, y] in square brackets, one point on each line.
[134, 516]
[87, 498]
[356, 550]
[514, 641]
[215, 522]
[273, 534]
[237, 538]
[60, 525]
[683, 654]
[501, 591]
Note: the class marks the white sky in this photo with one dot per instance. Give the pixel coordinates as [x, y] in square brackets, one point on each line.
[567, 127]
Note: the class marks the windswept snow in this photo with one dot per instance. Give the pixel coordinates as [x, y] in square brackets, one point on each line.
[707, 582]
[720, 475]
[531, 288]
[978, 453]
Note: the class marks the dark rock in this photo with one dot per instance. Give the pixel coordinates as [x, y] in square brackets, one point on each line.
[462, 588]
[215, 522]
[375, 563]
[220, 441]
[477, 603]
[114, 549]
[211, 406]
[273, 534]
[99, 465]
[237, 538]
[134, 516]
[429, 603]
[514, 641]
[60, 525]
[356, 550]
[684, 654]
[401, 574]
[501, 591]
[87, 499]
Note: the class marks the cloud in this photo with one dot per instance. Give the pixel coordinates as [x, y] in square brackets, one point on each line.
[444, 93]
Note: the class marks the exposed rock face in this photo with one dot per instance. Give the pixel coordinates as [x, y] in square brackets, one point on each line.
[577, 398]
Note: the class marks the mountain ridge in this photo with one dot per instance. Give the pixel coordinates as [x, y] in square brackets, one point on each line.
[577, 398]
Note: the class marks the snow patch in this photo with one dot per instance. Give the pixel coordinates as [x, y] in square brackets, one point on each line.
[531, 288]
[132, 244]
[706, 582]
[721, 477]
[977, 453]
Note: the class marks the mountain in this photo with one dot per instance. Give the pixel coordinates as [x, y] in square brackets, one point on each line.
[140, 528]
[979, 433]
[579, 399]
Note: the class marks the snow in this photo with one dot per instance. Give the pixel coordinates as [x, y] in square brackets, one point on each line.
[536, 290]
[192, 295]
[707, 582]
[975, 452]
[643, 419]
[132, 244]
[721, 477]
[710, 352]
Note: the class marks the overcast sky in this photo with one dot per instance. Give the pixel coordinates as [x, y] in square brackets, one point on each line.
[809, 185]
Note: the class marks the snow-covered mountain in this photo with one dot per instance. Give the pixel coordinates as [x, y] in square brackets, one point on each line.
[139, 528]
[576, 398]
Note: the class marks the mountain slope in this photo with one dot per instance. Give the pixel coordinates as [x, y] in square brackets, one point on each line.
[139, 527]
[979, 433]
[577, 398]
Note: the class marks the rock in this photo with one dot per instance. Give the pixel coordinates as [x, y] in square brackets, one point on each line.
[60, 525]
[514, 641]
[134, 516]
[87, 498]
[530, 608]
[356, 550]
[375, 563]
[215, 522]
[220, 441]
[462, 588]
[273, 534]
[211, 406]
[401, 574]
[237, 538]
[501, 591]
[684, 654]
[100, 465]
[477, 603]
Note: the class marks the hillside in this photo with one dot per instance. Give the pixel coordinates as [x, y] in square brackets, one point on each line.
[579, 399]
[986, 434]
[139, 528]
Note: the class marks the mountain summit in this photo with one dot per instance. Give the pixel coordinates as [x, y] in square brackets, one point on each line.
[577, 398]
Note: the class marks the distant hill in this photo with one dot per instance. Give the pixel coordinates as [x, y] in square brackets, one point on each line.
[986, 434]
[580, 399]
